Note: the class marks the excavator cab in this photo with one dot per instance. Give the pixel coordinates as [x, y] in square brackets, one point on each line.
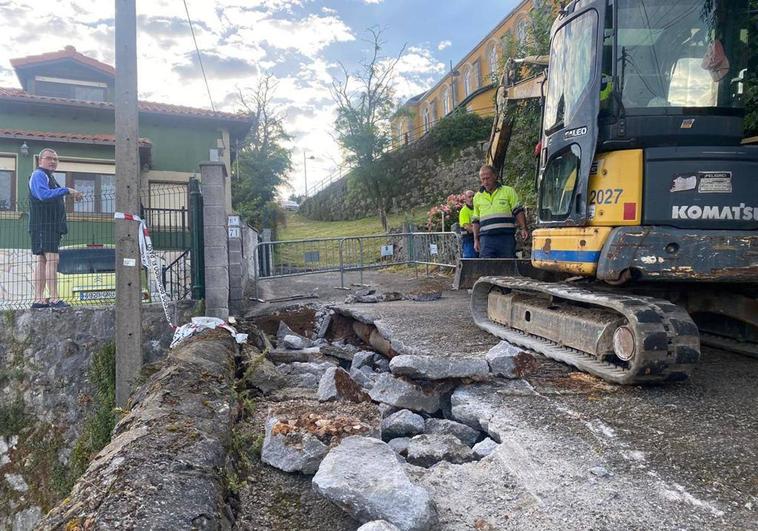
[647, 195]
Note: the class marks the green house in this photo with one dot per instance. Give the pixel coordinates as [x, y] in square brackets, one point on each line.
[66, 103]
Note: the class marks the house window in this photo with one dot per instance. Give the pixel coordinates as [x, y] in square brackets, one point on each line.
[522, 30]
[96, 181]
[446, 101]
[70, 88]
[492, 59]
[427, 123]
[467, 81]
[7, 183]
[476, 75]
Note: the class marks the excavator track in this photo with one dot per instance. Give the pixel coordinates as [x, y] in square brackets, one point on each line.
[662, 343]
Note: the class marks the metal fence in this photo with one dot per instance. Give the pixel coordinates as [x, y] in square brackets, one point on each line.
[83, 272]
[355, 253]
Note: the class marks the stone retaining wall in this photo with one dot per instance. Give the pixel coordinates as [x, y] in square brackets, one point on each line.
[46, 395]
[430, 181]
[163, 467]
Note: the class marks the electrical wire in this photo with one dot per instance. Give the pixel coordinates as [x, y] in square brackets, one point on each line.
[199, 57]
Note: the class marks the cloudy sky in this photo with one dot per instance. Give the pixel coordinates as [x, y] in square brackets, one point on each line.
[299, 42]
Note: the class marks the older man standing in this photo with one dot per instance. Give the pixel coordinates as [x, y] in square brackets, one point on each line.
[464, 220]
[47, 224]
[497, 213]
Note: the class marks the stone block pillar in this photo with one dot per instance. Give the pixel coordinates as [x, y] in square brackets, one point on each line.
[236, 265]
[213, 182]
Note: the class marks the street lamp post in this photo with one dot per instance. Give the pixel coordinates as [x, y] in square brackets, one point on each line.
[305, 170]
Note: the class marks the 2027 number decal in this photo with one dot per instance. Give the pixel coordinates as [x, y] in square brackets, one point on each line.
[608, 196]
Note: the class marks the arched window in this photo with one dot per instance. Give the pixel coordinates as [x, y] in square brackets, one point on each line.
[467, 80]
[446, 101]
[522, 30]
[427, 120]
[492, 59]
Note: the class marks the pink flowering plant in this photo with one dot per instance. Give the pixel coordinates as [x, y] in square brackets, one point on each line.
[450, 209]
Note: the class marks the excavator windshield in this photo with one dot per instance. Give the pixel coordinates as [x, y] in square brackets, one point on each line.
[683, 53]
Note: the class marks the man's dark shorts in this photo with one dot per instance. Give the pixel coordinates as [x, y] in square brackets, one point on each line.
[45, 241]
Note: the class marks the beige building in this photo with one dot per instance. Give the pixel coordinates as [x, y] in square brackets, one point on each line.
[470, 85]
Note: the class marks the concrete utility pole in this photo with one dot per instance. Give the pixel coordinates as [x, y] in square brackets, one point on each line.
[128, 265]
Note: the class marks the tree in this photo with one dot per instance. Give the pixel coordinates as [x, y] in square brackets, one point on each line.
[263, 161]
[364, 107]
[751, 83]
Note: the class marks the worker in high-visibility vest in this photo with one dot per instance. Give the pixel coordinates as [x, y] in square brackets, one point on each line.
[467, 228]
[497, 215]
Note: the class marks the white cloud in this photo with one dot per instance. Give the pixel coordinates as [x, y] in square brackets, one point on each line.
[239, 40]
[416, 72]
[444, 44]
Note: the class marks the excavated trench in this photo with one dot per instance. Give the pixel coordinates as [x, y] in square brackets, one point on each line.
[276, 380]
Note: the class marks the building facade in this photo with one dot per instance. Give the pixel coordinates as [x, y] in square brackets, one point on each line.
[470, 85]
[66, 103]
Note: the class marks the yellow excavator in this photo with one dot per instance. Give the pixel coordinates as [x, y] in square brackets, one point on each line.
[646, 238]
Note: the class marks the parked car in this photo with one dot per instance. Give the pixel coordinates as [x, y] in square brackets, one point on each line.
[87, 274]
[290, 205]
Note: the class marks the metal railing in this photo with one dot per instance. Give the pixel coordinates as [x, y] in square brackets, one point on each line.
[280, 259]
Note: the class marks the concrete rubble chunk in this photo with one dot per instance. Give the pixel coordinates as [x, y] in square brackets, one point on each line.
[305, 375]
[466, 406]
[380, 491]
[425, 296]
[343, 352]
[385, 410]
[400, 445]
[364, 358]
[404, 423]
[484, 448]
[291, 452]
[437, 368]
[298, 437]
[465, 434]
[428, 449]
[295, 342]
[381, 363]
[263, 375]
[378, 525]
[365, 377]
[406, 394]
[336, 384]
[323, 325]
[283, 331]
[291, 356]
[509, 361]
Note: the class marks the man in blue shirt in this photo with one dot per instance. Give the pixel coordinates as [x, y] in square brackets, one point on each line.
[47, 224]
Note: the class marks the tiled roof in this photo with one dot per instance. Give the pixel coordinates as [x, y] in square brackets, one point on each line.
[63, 136]
[14, 94]
[69, 52]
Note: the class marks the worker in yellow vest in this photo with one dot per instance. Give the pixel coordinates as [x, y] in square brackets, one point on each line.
[497, 215]
[467, 228]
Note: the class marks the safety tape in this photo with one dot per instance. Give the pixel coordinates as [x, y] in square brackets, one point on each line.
[149, 259]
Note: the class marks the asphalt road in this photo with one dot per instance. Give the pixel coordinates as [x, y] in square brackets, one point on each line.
[578, 453]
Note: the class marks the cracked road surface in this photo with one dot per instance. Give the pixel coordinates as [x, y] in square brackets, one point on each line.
[578, 453]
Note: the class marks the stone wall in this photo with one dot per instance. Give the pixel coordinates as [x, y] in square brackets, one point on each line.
[46, 394]
[430, 181]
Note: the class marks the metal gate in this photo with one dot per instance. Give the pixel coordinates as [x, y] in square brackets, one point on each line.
[281, 259]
